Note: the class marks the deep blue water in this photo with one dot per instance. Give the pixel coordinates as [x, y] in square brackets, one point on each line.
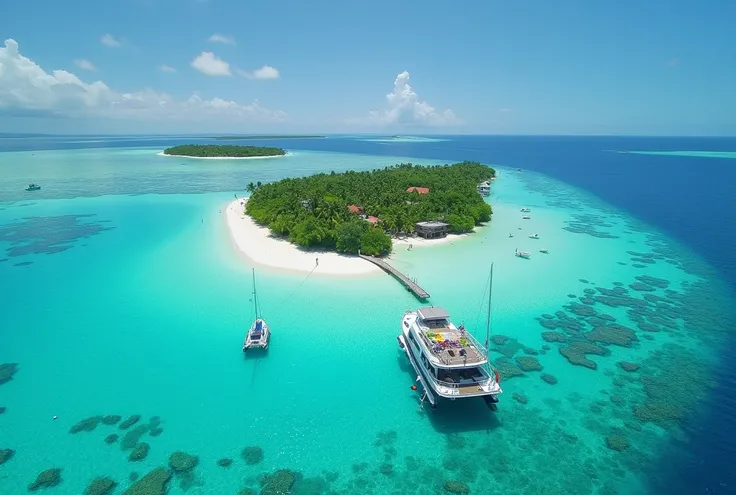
[689, 198]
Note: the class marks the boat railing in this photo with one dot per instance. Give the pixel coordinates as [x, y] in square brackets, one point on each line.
[454, 388]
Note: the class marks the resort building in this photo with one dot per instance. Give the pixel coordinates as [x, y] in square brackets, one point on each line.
[419, 190]
[355, 209]
[431, 230]
[372, 219]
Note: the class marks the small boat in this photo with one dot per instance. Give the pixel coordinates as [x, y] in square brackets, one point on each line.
[534, 236]
[544, 250]
[259, 332]
[511, 235]
[33, 187]
[523, 254]
[526, 217]
[526, 210]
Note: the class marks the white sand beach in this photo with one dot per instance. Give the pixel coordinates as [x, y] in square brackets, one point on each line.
[259, 245]
[161, 153]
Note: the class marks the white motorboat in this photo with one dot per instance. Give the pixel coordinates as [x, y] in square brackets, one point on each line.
[523, 254]
[259, 332]
[534, 236]
[449, 361]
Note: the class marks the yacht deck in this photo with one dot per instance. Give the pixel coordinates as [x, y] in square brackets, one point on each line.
[452, 346]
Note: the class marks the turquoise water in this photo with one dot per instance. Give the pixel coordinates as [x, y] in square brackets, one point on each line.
[696, 154]
[145, 311]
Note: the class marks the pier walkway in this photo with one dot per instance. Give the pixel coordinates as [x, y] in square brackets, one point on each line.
[408, 283]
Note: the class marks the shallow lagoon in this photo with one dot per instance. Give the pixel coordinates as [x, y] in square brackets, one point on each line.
[144, 311]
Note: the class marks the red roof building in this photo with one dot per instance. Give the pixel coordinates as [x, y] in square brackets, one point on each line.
[373, 219]
[355, 209]
[420, 190]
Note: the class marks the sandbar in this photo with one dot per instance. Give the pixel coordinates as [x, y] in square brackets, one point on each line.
[161, 153]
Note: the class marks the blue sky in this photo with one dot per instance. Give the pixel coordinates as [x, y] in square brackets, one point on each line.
[522, 67]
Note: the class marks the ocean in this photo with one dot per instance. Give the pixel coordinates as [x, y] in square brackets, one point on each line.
[123, 294]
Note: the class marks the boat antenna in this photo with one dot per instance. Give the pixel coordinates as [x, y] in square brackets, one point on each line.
[488, 316]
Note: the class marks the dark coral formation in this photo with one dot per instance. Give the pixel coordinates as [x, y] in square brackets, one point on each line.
[627, 366]
[154, 483]
[528, 363]
[576, 353]
[139, 452]
[456, 487]
[507, 369]
[111, 419]
[100, 486]
[252, 455]
[613, 335]
[554, 337]
[617, 442]
[88, 424]
[2, 409]
[6, 455]
[111, 439]
[225, 462]
[278, 483]
[521, 399]
[7, 370]
[549, 378]
[46, 479]
[130, 422]
[48, 235]
[181, 462]
[156, 431]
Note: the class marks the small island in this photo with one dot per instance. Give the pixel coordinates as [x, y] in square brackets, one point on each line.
[222, 151]
[362, 211]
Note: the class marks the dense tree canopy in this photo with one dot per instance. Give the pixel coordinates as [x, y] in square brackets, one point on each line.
[222, 151]
[313, 211]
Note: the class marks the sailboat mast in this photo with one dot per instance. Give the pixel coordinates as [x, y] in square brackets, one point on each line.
[255, 294]
[488, 316]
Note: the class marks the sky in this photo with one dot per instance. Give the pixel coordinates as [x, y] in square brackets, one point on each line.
[334, 66]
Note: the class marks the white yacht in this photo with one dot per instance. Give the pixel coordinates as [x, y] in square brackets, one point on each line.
[450, 363]
[259, 332]
[484, 188]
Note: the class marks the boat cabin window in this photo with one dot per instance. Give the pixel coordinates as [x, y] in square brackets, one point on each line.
[460, 376]
[435, 323]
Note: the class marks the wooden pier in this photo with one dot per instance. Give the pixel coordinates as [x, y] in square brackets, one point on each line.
[408, 283]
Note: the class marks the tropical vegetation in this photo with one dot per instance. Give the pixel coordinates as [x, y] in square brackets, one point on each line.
[222, 151]
[354, 211]
[287, 136]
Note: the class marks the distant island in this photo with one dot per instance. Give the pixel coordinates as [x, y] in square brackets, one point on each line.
[235, 138]
[353, 211]
[222, 151]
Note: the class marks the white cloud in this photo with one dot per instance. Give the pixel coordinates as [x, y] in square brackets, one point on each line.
[211, 65]
[221, 38]
[109, 40]
[166, 68]
[405, 107]
[82, 63]
[25, 88]
[265, 72]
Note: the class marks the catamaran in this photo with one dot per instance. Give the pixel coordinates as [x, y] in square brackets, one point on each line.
[259, 332]
[450, 363]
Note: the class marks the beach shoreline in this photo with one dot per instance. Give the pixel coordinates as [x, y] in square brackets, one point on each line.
[161, 153]
[260, 246]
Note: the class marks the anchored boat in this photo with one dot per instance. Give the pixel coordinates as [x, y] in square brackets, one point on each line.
[534, 236]
[33, 187]
[450, 363]
[259, 332]
[523, 254]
